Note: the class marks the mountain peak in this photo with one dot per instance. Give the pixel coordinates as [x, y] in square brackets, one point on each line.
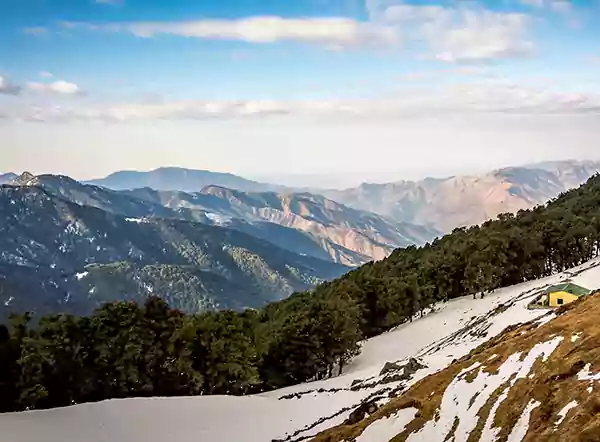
[176, 178]
[465, 200]
[7, 178]
[25, 179]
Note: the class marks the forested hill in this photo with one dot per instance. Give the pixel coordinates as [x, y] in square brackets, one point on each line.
[58, 256]
[126, 350]
[511, 249]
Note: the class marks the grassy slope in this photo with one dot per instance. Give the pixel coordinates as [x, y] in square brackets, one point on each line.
[554, 383]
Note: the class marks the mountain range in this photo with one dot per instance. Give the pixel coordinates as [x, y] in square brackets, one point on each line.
[342, 234]
[6, 178]
[72, 246]
[441, 204]
[299, 222]
[176, 178]
[221, 247]
[447, 203]
[56, 255]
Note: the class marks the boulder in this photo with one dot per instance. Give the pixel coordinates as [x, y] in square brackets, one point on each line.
[361, 412]
[390, 367]
[413, 366]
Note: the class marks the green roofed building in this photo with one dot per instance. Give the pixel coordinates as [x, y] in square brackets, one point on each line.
[565, 293]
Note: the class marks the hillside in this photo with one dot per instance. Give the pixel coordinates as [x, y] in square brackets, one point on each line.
[176, 178]
[59, 256]
[533, 382]
[347, 236]
[467, 200]
[300, 223]
[463, 330]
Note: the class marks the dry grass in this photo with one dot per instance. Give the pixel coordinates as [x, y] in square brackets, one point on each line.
[554, 383]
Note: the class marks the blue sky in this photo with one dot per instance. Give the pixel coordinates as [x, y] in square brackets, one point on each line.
[91, 86]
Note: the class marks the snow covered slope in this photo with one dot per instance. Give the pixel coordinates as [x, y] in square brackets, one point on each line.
[389, 366]
[534, 382]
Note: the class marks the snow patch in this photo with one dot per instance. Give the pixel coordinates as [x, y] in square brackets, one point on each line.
[216, 218]
[136, 220]
[463, 399]
[470, 369]
[586, 374]
[545, 319]
[575, 337]
[82, 275]
[519, 431]
[562, 414]
[389, 427]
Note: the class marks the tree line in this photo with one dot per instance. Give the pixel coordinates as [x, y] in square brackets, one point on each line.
[126, 350]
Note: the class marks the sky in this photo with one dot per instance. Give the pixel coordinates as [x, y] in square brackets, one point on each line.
[325, 91]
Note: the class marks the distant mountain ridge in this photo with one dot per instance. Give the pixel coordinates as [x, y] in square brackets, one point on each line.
[301, 223]
[56, 255]
[6, 178]
[176, 178]
[348, 236]
[447, 203]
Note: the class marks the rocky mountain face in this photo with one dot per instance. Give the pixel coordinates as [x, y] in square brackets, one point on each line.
[466, 200]
[301, 223]
[175, 178]
[56, 255]
[347, 236]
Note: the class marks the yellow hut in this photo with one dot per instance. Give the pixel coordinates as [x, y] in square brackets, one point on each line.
[562, 294]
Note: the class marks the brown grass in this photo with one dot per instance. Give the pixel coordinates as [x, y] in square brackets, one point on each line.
[554, 384]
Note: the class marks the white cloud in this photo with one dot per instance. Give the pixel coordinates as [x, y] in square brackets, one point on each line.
[56, 87]
[8, 88]
[463, 33]
[466, 32]
[472, 98]
[564, 7]
[486, 36]
[561, 6]
[36, 30]
[46, 74]
[330, 31]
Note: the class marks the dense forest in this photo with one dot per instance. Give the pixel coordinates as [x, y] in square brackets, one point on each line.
[126, 350]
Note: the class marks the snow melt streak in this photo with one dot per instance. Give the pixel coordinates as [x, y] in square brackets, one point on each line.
[456, 403]
[519, 431]
[563, 413]
[388, 428]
